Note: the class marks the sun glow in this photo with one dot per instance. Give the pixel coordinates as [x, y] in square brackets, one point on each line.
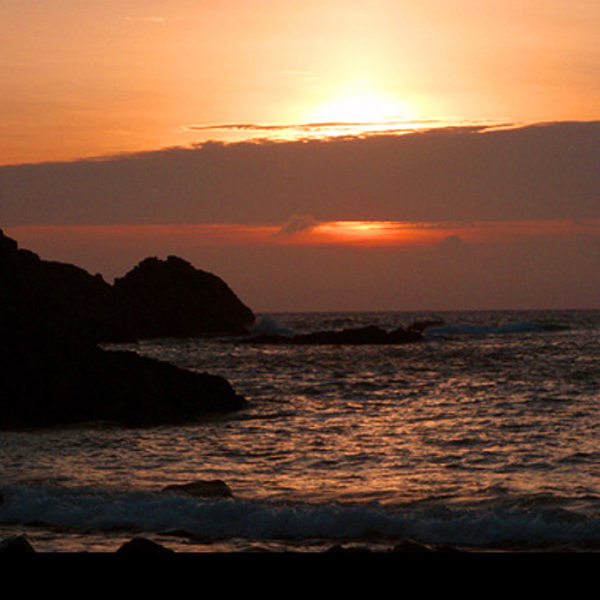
[366, 232]
[362, 106]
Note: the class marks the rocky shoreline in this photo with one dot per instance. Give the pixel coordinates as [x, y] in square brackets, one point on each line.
[140, 546]
[54, 316]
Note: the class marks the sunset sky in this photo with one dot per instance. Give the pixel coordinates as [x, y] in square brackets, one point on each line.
[330, 155]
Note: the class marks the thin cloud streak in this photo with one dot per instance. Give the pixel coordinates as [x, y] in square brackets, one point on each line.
[298, 224]
[303, 126]
[305, 230]
[332, 129]
[435, 266]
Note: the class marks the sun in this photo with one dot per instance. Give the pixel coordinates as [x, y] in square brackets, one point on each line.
[361, 106]
[367, 233]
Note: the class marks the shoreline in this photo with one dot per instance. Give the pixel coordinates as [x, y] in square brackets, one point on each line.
[180, 543]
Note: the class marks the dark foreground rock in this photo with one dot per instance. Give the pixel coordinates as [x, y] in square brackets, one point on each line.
[47, 385]
[370, 334]
[171, 298]
[140, 545]
[18, 544]
[52, 371]
[48, 300]
[157, 298]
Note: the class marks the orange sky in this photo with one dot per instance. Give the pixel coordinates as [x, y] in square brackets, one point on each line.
[102, 76]
[523, 265]
[302, 231]
[458, 219]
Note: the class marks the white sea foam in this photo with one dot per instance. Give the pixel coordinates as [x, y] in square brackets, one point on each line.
[475, 526]
[268, 325]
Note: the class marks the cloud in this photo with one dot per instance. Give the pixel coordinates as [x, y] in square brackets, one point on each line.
[409, 125]
[297, 224]
[319, 129]
[451, 243]
[542, 172]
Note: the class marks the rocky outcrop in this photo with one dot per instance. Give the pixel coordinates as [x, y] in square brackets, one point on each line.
[17, 544]
[52, 371]
[51, 384]
[50, 300]
[157, 298]
[370, 334]
[141, 546]
[171, 298]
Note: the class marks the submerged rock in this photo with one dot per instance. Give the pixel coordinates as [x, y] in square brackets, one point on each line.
[203, 489]
[371, 334]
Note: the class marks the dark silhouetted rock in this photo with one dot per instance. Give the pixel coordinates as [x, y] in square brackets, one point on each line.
[202, 489]
[421, 326]
[156, 299]
[49, 300]
[370, 334]
[50, 384]
[52, 371]
[17, 544]
[171, 298]
[140, 545]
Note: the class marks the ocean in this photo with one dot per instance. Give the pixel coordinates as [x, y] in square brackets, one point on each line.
[483, 437]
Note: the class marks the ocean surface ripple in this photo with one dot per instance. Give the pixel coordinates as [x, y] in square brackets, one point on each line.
[483, 436]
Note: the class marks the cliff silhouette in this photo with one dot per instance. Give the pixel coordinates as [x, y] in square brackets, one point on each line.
[171, 298]
[54, 315]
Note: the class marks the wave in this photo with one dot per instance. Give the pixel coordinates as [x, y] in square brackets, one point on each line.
[464, 329]
[270, 326]
[431, 328]
[475, 526]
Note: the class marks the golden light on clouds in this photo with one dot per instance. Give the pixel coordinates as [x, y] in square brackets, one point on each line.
[306, 231]
[89, 78]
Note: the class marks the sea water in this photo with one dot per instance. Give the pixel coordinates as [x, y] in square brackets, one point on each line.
[483, 436]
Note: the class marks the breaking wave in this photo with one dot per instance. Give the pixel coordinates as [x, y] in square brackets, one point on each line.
[218, 519]
[269, 326]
